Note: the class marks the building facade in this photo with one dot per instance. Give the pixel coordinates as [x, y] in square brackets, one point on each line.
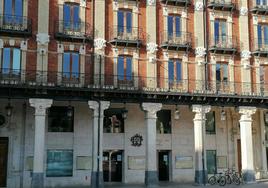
[132, 91]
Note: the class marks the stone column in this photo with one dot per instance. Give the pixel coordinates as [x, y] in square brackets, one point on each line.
[263, 141]
[199, 133]
[247, 143]
[97, 135]
[151, 177]
[40, 106]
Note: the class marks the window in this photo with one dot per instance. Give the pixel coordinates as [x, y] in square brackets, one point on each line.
[71, 16]
[59, 163]
[113, 121]
[124, 21]
[220, 31]
[124, 68]
[71, 66]
[266, 128]
[11, 61]
[163, 122]
[261, 2]
[174, 26]
[13, 11]
[211, 161]
[210, 123]
[222, 72]
[60, 119]
[262, 35]
[174, 71]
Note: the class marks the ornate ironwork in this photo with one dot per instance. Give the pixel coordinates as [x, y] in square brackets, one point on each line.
[136, 140]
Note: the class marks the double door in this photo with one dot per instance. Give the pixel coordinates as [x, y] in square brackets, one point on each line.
[112, 166]
[3, 161]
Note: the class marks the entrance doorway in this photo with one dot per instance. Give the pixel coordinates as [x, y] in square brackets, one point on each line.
[3, 161]
[112, 166]
[163, 165]
[239, 163]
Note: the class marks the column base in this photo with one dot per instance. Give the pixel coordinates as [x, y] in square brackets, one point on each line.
[201, 177]
[96, 179]
[151, 178]
[249, 176]
[37, 180]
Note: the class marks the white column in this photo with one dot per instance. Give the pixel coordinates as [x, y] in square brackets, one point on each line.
[151, 176]
[97, 149]
[247, 143]
[40, 106]
[263, 141]
[199, 134]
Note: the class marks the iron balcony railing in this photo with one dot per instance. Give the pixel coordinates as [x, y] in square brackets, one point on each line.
[17, 25]
[223, 43]
[127, 36]
[73, 30]
[259, 7]
[225, 5]
[260, 47]
[176, 40]
[64, 80]
[177, 2]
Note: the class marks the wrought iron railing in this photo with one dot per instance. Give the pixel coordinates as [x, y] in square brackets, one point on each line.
[177, 2]
[260, 45]
[127, 34]
[223, 41]
[79, 30]
[259, 7]
[15, 24]
[180, 38]
[224, 4]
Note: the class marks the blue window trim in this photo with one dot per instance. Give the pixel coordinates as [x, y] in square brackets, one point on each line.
[71, 65]
[11, 60]
[124, 68]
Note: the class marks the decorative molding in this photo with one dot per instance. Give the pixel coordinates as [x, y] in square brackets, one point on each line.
[165, 55]
[40, 105]
[152, 59]
[245, 54]
[136, 140]
[200, 52]
[246, 112]
[82, 50]
[135, 55]
[151, 47]
[243, 11]
[99, 43]
[211, 16]
[245, 64]
[200, 111]
[151, 109]
[165, 11]
[23, 45]
[231, 61]
[1, 44]
[229, 19]
[60, 48]
[115, 52]
[42, 38]
[150, 2]
[12, 42]
[199, 6]
[71, 47]
[136, 9]
[255, 20]
[103, 106]
[115, 5]
[83, 3]
[94, 105]
[184, 14]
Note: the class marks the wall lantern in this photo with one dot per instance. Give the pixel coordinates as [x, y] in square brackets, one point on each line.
[9, 109]
[266, 117]
[223, 114]
[69, 110]
[177, 113]
[124, 112]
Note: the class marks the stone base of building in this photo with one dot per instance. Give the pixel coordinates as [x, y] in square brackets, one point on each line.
[96, 179]
[249, 176]
[37, 180]
[151, 178]
[201, 177]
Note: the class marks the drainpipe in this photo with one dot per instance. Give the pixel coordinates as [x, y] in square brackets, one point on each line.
[98, 168]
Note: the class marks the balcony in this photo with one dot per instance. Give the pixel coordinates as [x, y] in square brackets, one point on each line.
[259, 8]
[127, 36]
[15, 26]
[179, 41]
[223, 5]
[223, 44]
[260, 48]
[184, 3]
[70, 31]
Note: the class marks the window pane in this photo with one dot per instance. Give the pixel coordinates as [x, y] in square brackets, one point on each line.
[178, 26]
[163, 122]
[225, 72]
[120, 21]
[60, 119]
[258, 2]
[66, 65]
[210, 123]
[265, 28]
[129, 68]
[113, 121]
[170, 25]
[216, 31]
[179, 72]
[211, 161]
[67, 16]
[171, 71]
[59, 163]
[223, 31]
[6, 60]
[75, 65]
[129, 22]
[18, 8]
[259, 36]
[120, 68]
[8, 7]
[16, 60]
[218, 72]
[76, 19]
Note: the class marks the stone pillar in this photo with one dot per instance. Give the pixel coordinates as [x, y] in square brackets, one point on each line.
[97, 135]
[199, 132]
[247, 143]
[151, 176]
[263, 141]
[40, 106]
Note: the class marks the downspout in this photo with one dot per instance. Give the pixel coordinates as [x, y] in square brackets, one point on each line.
[98, 167]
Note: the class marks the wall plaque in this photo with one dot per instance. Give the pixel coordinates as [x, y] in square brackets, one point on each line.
[83, 162]
[182, 162]
[136, 140]
[136, 162]
[222, 162]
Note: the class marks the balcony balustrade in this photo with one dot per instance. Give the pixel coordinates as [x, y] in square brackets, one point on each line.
[223, 44]
[76, 81]
[184, 3]
[15, 25]
[224, 5]
[73, 31]
[176, 41]
[259, 8]
[260, 47]
[127, 36]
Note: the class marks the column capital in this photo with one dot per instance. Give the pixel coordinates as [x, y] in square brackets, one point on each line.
[151, 109]
[201, 109]
[40, 105]
[94, 105]
[104, 105]
[246, 112]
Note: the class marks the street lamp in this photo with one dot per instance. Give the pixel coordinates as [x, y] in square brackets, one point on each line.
[177, 113]
[9, 109]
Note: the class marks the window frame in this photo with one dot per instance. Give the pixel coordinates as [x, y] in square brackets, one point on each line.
[13, 5]
[167, 129]
[176, 32]
[111, 128]
[213, 130]
[11, 60]
[219, 34]
[72, 24]
[262, 33]
[126, 68]
[215, 164]
[261, 2]
[70, 68]
[127, 25]
[176, 74]
[222, 67]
